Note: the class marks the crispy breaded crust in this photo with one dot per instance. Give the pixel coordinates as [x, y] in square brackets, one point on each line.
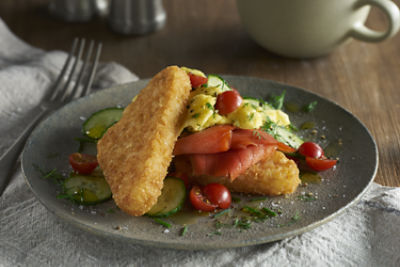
[272, 176]
[135, 153]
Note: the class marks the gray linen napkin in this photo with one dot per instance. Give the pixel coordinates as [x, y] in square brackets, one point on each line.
[365, 235]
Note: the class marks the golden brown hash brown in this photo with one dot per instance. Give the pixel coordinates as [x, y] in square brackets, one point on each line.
[275, 175]
[135, 153]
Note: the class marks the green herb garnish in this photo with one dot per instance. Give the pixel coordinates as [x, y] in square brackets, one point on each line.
[293, 128]
[242, 223]
[293, 220]
[269, 212]
[218, 214]
[251, 116]
[277, 100]
[196, 115]
[259, 214]
[296, 217]
[311, 106]
[53, 174]
[184, 230]
[163, 223]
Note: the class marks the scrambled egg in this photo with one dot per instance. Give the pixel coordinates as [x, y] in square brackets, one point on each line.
[252, 114]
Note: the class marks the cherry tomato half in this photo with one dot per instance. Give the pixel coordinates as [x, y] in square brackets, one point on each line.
[311, 149]
[83, 163]
[320, 164]
[228, 102]
[196, 80]
[199, 201]
[218, 194]
[210, 197]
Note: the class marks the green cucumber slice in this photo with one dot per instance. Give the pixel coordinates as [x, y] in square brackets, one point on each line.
[172, 198]
[286, 136]
[98, 123]
[217, 81]
[87, 190]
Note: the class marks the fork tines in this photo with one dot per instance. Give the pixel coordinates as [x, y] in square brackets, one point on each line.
[68, 72]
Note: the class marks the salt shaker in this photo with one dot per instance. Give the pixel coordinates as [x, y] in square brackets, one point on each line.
[136, 16]
[73, 10]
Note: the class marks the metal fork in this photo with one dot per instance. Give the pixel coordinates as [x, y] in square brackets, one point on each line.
[56, 96]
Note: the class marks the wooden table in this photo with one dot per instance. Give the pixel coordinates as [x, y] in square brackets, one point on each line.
[364, 78]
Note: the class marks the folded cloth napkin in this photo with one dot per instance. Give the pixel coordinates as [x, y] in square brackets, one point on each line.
[367, 234]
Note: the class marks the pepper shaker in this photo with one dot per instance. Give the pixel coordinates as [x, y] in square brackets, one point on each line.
[73, 10]
[136, 16]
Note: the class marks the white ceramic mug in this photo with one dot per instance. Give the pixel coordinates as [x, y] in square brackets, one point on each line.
[311, 28]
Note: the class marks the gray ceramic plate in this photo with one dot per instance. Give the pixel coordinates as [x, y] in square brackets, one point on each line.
[53, 140]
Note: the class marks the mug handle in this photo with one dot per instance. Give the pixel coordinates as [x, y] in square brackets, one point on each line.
[363, 33]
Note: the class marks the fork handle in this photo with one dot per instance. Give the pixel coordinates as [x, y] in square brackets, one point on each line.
[9, 158]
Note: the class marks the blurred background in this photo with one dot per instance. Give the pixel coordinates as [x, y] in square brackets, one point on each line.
[204, 34]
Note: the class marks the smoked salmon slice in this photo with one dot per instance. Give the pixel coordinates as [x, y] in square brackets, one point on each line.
[225, 150]
[212, 140]
[231, 163]
[242, 138]
[221, 138]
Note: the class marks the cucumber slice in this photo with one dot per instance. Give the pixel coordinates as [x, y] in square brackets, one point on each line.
[217, 81]
[286, 136]
[172, 198]
[98, 123]
[87, 190]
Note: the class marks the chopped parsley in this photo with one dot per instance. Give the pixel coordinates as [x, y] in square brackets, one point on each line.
[196, 115]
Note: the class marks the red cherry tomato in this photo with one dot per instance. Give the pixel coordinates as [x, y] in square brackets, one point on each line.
[218, 194]
[182, 176]
[228, 102]
[83, 163]
[210, 197]
[320, 164]
[196, 80]
[310, 149]
[199, 201]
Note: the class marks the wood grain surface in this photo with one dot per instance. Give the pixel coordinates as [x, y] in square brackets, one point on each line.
[364, 78]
